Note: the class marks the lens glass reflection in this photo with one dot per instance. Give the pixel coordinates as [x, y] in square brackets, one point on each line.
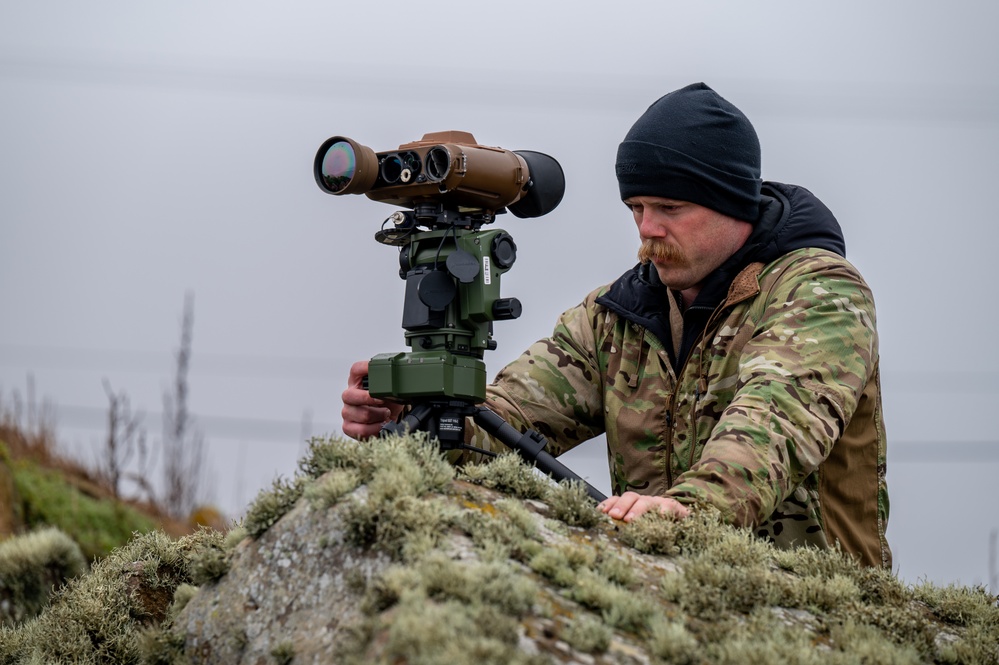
[338, 166]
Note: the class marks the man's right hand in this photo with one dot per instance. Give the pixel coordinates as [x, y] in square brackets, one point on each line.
[364, 415]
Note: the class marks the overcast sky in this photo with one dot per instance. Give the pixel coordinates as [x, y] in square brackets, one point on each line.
[150, 151]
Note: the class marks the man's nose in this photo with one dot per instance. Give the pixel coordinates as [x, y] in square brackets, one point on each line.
[650, 226]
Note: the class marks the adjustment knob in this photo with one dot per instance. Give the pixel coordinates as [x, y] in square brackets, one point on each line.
[504, 250]
[505, 309]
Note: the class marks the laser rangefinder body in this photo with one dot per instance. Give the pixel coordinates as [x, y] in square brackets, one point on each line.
[452, 267]
[449, 168]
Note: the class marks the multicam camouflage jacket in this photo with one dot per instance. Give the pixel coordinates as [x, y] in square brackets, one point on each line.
[774, 418]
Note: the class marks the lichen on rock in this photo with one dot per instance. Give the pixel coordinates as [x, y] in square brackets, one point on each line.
[383, 552]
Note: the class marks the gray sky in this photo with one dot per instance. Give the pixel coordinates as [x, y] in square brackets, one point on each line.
[150, 151]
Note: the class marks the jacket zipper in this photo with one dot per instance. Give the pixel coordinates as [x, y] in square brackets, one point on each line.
[698, 392]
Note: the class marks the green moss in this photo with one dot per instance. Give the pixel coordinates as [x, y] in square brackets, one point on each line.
[500, 585]
[328, 489]
[234, 537]
[326, 454]
[619, 606]
[271, 505]
[523, 521]
[653, 533]
[393, 513]
[283, 653]
[819, 594]
[444, 611]
[879, 586]
[97, 525]
[723, 596]
[182, 595]
[405, 527]
[962, 606]
[424, 632]
[510, 474]
[860, 643]
[571, 504]
[549, 563]
[616, 568]
[161, 647]
[588, 634]
[413, 458]
[395, 468]
[31, 567]
[500, 531]
[209, 564]
[760, 640]
[161, 644]
[101, 617]
[710, 587]
[979, 645]
[905, 627]
[671, 642]
[813, 561]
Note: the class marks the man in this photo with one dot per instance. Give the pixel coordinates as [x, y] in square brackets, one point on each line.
[736, 365]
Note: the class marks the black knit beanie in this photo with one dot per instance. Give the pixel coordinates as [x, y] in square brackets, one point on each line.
[693, 145]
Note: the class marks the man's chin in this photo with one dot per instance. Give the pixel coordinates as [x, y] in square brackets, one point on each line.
[671, 276]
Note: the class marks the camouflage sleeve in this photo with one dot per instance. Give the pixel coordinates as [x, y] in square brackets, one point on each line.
[554, 387]
[813, 348]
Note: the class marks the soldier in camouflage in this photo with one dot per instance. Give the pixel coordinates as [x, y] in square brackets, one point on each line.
[736, 365]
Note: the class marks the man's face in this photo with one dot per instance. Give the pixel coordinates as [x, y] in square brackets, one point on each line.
[684, 241]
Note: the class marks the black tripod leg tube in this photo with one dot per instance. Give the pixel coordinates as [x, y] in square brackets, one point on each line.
[531, 447]
[414, 421]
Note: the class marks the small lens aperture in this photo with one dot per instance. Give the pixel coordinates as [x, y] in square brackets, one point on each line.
[391, 169]
[339, 165]
[438, 163]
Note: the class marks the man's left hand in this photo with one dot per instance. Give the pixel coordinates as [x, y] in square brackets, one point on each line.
[630, 505]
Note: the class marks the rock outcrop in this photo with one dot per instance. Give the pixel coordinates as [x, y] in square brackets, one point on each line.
[387, 558]
[381, 553]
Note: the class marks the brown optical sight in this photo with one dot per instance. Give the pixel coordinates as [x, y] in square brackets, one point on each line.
[448, 168]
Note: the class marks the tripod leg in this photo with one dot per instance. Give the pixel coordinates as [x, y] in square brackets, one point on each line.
[414, 421]
[531, 447]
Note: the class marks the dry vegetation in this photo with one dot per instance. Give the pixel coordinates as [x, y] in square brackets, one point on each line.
[58, 515]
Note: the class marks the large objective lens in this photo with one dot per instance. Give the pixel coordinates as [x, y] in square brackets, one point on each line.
[338, 166]
[344, 166]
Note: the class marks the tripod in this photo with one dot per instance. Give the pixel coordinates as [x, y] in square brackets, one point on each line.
[445, 421]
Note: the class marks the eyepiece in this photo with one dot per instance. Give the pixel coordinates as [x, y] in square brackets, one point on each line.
[344, 166]
[545, 190]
